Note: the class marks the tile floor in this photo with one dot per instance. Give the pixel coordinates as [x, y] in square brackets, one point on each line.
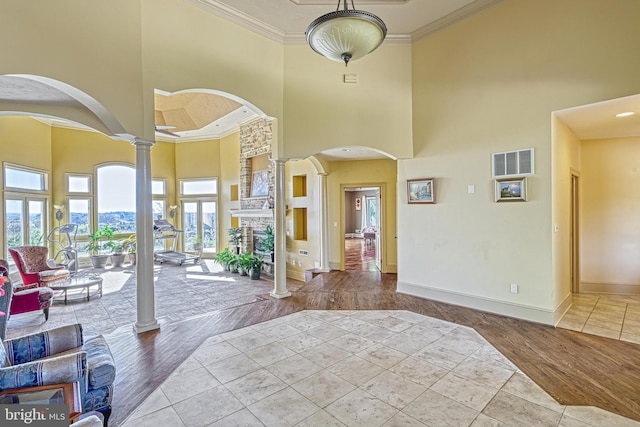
[355, 368]
[612, 316]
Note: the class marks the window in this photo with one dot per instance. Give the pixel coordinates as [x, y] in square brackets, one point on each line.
[23, 178]
[159, 187]
[78, 184]
[116, 198]
[25, 221]
[192, 187]
[200, 225]
[79, 211]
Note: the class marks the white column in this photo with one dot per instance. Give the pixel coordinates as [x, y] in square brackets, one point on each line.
[280, 274]
[324, 223]
[146, 320]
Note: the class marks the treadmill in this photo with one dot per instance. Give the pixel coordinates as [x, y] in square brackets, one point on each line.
[163, 230]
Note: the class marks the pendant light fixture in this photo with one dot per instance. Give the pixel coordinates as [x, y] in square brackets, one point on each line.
[346, 34]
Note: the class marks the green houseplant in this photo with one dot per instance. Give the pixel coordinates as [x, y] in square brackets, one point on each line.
[244, 263]
[267, 243]
[99, 241]
[223, 258]
[130, 247]
[235, 237]
[255, 263]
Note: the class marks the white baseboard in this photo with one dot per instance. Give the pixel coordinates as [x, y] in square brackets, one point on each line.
[505, 308]
[295, 275]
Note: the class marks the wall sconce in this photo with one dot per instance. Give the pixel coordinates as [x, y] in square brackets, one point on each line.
[58, 212]
[172, 211]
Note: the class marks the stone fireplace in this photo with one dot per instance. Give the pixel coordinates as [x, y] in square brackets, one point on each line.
[257, 181]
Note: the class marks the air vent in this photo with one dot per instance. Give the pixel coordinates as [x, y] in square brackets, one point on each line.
[512, 163]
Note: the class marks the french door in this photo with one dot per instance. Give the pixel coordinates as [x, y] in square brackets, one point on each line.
[25, 222]
[200, 225]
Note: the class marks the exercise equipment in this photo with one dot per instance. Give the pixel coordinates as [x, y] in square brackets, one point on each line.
[163, 230]
[64, 239]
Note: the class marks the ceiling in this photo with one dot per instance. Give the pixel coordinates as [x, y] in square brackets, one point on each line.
[206, 115]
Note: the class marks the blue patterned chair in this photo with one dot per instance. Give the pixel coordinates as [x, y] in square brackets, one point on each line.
[57, 356]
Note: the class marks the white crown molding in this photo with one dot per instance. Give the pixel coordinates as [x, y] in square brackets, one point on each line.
[454, 17]
[237, 17]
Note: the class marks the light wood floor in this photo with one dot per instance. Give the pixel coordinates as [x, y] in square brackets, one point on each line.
[573, 367]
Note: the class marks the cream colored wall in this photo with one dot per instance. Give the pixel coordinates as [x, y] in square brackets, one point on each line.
[229, 175]
[204, 51]
[321, 111]
[296, 262]
[93, 46]
[20, 135]
[610, 230]
[163, 165]
[362, 173]
[488, 84]
[565, 161]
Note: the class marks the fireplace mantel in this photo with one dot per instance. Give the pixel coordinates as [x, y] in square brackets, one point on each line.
[252, 213]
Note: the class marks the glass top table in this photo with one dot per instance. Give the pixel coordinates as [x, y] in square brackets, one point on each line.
[75, 288]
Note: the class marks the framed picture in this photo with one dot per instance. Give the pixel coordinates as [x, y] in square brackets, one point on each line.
[421, 190]
[260, 183]
[511, 190]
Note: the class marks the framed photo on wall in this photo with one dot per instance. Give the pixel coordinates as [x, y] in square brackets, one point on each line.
[260, 183]
[421, 190]
[511, 190]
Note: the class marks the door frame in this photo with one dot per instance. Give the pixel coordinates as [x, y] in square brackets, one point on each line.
[575, 232]
[381, 249]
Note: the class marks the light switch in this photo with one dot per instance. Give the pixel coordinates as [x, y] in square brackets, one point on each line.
[471, 189]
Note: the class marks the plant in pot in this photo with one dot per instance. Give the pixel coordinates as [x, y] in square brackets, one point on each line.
[235, 237]
[223, 258]
[97, 242]
[117, 253]
[130, 248]
[244, 263]
[267, 243]
[256, 266]
[234, 260]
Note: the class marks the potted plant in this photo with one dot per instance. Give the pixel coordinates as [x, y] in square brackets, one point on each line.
[130, 248]
[223, 258]
[256, 266]
[267, 243]
[235, 237]
[95, 247]
[117, 253]
[244, 263]
[233, 263]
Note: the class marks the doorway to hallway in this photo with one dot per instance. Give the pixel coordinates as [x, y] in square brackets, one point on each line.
[362, 228]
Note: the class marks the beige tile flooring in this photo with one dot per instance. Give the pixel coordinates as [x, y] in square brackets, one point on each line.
[355, 368]
[612, 316]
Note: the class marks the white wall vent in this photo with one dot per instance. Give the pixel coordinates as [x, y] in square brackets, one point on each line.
[512, 163]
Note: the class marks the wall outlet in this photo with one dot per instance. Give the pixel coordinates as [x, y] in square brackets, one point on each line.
[514, 288]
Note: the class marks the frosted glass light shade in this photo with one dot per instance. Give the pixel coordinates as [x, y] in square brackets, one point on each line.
[346, 35]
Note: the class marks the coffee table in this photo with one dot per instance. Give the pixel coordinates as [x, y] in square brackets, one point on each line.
[82, 283]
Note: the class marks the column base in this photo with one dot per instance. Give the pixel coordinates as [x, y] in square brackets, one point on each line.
[140, 328]
[280, 295]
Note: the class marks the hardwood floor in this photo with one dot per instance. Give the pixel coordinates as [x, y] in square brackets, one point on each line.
[575, 368]
[359, 255]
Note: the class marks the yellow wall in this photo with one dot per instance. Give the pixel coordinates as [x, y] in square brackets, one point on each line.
[229, 175]
[297, 263]
[610, 232]
[489, 84]
[566, 161]
[365, 173]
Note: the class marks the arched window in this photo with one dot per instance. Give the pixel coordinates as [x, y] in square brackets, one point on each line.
[116, 197]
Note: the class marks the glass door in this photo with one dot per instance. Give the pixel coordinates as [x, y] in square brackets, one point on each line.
[25, 222]
[200, 225]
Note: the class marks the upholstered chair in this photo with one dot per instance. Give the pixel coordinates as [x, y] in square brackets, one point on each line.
[22, 299]
[59, 356]
[32, 265]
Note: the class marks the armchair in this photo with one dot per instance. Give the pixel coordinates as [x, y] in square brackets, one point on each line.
[32, 265]
[57, 356]
[22, 299]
